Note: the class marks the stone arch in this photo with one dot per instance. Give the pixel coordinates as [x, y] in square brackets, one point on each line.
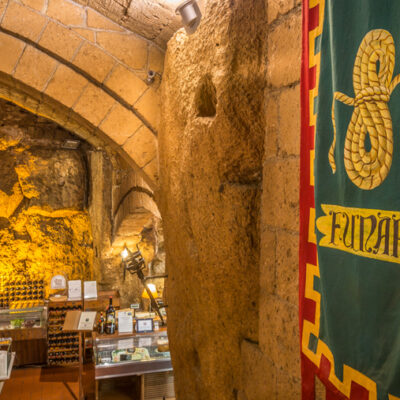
[70, 64]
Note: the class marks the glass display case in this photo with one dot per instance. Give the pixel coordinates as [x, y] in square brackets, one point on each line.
[130, 354]
[22, 318]
[28, 329]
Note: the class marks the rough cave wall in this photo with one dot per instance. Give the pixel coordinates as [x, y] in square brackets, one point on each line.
[211, 150]
[44, 227]
[233, 282]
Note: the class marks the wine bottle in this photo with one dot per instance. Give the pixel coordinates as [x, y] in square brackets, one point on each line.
[110, 318]
[101, 324]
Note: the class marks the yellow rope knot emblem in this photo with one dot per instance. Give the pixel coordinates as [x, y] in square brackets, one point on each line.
[373, 87]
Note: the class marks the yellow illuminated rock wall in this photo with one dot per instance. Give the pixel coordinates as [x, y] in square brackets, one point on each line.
[44, 226]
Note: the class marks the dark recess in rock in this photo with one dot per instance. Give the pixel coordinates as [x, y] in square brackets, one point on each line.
[206, 98]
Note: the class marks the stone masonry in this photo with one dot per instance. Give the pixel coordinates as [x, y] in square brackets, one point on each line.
[73, 57]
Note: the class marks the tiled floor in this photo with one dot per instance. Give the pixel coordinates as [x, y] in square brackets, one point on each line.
[41, 384]
[62, 384]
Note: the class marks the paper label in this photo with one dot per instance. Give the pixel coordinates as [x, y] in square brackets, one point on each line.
[125, 322]
[144, 342]
[125, 344]
[90, 289]
[3, 363]
[58, 282]
[74, 290]
[86, 322]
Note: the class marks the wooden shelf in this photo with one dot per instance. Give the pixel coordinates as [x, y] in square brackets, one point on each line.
[57, 329]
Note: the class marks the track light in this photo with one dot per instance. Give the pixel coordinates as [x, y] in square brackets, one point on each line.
[190, 14]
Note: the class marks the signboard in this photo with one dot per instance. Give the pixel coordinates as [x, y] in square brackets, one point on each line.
[349, 200]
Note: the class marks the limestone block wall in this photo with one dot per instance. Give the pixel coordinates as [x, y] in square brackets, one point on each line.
[279, 339]
[69, 63]
[229, 170]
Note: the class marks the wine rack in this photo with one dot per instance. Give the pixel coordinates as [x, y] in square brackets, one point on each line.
[21, 293]
[62, 347]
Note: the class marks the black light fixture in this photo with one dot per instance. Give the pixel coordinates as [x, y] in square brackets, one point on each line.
[134, 263]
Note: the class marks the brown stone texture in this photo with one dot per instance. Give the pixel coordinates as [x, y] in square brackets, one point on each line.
[52, 179]
[126, 84]
[44, 227]
[23, 20]
[278, 7]
[13, 48]
[278, 329]
[284, 50]
[210, 182]
[289, 121]
[66, 12]
[93, 104]
[111, 64]
[85, 33]
[230, 211]
[135, 221]
[66, 86]
[138, 16]
[120, 124]
[35, 68]
[271, 138]
[36, 4]
[151, 169]
[142, 146]
[91, 58]
[60, 40]
[156, 59]
[149, 106]
[129, 49]
[95, 20]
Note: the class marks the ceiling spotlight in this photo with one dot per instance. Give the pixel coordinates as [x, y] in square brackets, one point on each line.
[190, 14]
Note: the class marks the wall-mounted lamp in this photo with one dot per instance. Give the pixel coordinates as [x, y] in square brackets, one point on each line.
[191, 15]
[134, 263]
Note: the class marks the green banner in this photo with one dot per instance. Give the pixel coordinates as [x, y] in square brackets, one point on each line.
[357, 195]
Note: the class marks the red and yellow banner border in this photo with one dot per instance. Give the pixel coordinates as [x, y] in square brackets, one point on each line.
[320, 361]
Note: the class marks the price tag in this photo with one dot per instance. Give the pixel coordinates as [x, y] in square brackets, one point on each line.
[75, 290]
[125, 344]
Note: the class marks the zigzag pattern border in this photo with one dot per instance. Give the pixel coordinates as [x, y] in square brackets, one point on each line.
[350, 375]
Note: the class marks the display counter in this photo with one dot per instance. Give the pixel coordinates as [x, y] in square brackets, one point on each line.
[130, 354]
[28, 329]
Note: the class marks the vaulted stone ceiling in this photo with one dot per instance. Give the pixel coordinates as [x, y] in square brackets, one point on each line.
[153, 19]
